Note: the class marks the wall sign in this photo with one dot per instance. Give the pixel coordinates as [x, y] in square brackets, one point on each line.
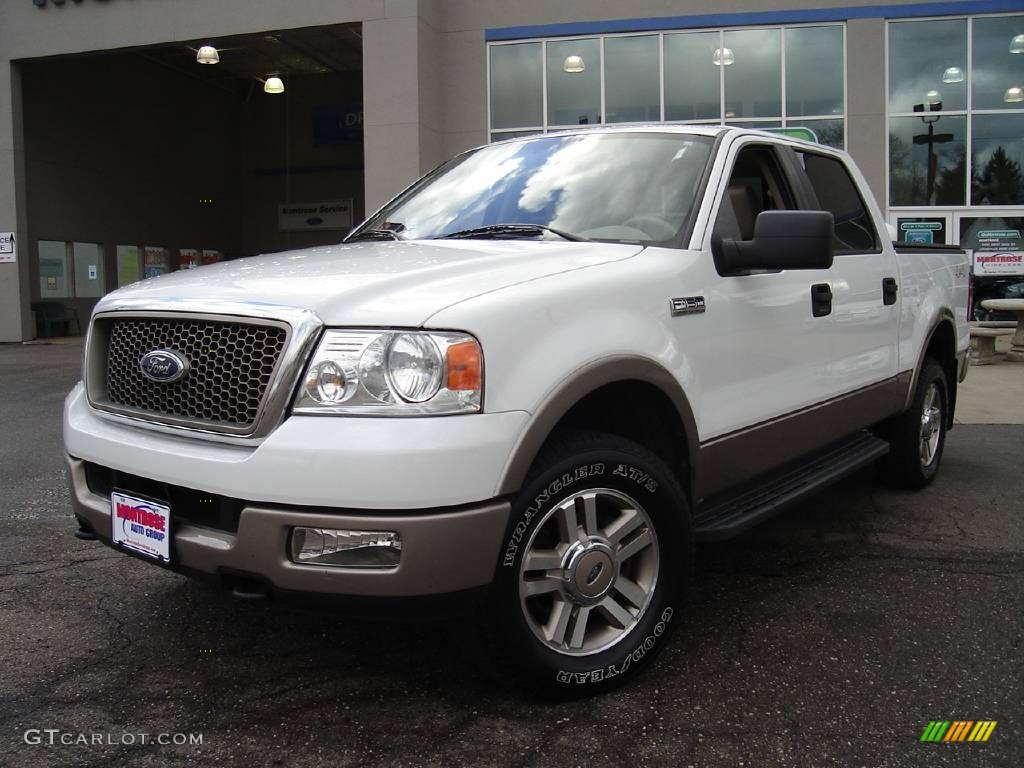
[8, 254]
[998, 252]
[922, 230]
[304, 217]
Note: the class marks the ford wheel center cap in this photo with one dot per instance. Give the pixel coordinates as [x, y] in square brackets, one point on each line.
[163, 366]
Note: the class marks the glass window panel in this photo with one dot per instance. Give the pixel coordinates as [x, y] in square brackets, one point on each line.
[923, 169]
[996, 69]
[755, 125]
[831, 133]
[998, 160]
[632, 92]
[753, 82]
[502, 135]
[54, 280]
[814, 71]
[517, 98]
[90, 280]
[921, 53]
[574, 97]
[836, 193]
[692, 89]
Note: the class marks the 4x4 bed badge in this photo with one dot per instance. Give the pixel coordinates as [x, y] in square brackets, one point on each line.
[687, 305]
[163, 365]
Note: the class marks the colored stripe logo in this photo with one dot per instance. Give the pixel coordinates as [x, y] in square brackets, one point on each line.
[958, 730]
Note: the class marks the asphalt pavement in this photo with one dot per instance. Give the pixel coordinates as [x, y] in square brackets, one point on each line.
[829, 636]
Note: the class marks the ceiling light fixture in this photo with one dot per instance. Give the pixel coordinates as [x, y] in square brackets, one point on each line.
[1014, 95]
[273, 84]
[953, 75]
[573, 65]
[207, 54]
[1017, 44]
[723, 57]
[933, 97]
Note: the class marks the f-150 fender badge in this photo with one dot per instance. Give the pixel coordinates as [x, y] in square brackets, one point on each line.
[687, 305]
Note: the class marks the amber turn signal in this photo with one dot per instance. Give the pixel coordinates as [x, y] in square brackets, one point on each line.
[465, 366]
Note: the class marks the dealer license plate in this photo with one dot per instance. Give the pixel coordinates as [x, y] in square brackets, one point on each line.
[141, 525]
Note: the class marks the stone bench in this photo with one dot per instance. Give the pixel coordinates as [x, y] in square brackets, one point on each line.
[983, 344]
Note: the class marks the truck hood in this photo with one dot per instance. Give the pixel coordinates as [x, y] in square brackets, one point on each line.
[372, 283]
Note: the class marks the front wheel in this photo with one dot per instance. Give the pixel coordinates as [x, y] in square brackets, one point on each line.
[918, 436]
[594, 568]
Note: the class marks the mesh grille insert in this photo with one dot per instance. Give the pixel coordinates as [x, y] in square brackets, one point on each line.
[231, 365]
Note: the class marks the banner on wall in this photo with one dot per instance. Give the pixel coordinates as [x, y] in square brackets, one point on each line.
[129, 264]
[188, 258]
[998, 252]
[157, 262]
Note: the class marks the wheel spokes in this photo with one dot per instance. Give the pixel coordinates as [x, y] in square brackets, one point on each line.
[630, 590]
[615, 613]
[640, 542]
[543, 586]
[587, 504]
[626, 523]
[542, 560]
[558, 621]
[579, 627]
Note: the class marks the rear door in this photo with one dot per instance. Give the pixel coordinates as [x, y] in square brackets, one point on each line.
[765, 355]
[864, 275]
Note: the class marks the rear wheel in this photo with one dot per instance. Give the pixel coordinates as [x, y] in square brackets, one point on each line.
[918, 436]
[594, 568]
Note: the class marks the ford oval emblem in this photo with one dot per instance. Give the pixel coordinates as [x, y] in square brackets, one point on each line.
[163, 366]
[314, 221]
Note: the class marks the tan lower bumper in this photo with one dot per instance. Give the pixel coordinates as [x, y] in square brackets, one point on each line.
[442, 551]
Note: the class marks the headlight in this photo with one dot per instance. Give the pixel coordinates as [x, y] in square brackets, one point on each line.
[393, 373]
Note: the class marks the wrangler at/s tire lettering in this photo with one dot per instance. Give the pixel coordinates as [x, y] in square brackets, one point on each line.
[594, 567]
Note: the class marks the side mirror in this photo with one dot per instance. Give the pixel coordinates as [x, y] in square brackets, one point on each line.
[782, 240]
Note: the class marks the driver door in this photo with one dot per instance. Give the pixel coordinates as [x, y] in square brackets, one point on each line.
[767, 356]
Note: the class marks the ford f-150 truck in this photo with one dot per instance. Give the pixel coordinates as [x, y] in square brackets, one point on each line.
[532, 380]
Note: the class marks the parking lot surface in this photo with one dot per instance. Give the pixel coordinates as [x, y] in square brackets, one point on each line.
[830, 635]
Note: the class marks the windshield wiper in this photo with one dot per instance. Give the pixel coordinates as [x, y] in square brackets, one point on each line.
[374, 234]
[513, 230]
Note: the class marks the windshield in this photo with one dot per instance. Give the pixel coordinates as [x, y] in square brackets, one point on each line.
[621, 187]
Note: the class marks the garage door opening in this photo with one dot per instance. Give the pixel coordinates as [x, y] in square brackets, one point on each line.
[167, 157]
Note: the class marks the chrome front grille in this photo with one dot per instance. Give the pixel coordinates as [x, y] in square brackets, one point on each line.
[232, 363]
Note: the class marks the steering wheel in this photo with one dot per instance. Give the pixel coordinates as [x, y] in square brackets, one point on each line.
[655, 226]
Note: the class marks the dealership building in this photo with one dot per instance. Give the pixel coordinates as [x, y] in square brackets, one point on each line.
[143, 136]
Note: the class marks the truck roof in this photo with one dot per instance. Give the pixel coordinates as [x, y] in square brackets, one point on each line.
[685, 129]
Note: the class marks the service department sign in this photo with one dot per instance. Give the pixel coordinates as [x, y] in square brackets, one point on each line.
[303, 217]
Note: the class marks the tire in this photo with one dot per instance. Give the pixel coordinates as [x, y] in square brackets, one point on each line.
[594, 568]
[918, 435]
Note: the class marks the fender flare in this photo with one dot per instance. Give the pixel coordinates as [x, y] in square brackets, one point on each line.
[582, 382]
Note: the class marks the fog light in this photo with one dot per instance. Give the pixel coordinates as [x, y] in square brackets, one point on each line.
[350, 549]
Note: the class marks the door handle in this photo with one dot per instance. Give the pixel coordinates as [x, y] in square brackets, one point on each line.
[889, 290]
[821, 299]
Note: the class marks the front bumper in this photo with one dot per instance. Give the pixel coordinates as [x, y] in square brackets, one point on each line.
[443, 551]
[384, 463]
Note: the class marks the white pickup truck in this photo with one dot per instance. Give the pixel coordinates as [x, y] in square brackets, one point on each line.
[532, 380]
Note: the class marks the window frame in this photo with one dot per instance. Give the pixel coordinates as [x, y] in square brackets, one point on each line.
[968, 113]
[784, 118]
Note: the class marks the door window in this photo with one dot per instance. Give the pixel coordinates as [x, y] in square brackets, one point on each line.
[755, 185]
[837, 193]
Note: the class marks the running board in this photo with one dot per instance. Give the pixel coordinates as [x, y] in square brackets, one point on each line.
[732, 516]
